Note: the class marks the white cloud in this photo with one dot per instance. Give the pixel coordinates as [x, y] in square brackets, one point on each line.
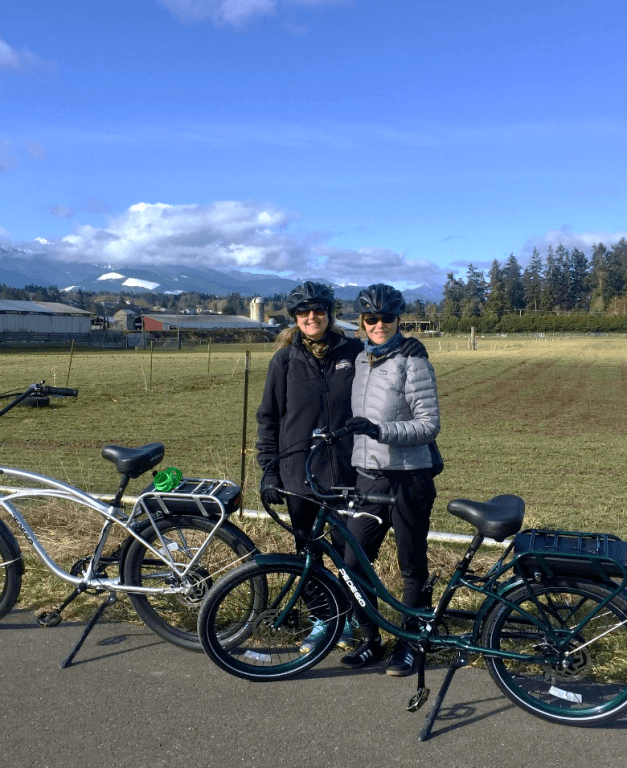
[242, 234]
[375, 265]
[233, 12]
[565, 236]
[22, 60]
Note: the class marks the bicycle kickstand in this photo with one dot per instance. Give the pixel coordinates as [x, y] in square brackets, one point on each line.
[459, 662]
[109, 600]
[422, 693]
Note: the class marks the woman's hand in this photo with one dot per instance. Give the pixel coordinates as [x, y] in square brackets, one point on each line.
[360, 426]
[272, 495]
[411, 347]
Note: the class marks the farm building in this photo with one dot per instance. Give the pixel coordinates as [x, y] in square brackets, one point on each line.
[218, 327]
[42, 321]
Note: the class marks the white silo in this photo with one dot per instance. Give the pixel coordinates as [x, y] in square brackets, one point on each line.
[257, 309]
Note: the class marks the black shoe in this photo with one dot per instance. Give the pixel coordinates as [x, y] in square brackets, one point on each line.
[367, 652]
[403, 660]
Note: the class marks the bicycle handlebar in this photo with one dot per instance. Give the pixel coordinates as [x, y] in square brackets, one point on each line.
[377, 498]
[59, 391]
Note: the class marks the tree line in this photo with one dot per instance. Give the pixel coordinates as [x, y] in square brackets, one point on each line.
[564, 286]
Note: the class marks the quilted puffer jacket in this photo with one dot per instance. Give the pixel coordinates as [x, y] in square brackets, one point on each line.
[399, 394]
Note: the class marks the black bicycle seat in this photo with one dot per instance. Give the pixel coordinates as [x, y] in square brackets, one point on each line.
[498, 518]
[134, 461]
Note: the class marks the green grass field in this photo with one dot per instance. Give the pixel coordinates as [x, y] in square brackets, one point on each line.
[544, 419]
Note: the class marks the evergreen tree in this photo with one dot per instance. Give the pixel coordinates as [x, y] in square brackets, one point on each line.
[550, 282]
[599, 277]
[579, 281]
[532, 282]
[452, 304]
[513, 285]
[495, 300]
[562, 293]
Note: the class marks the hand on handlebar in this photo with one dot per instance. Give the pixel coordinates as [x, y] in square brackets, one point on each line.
[272, 495]
[360, 426]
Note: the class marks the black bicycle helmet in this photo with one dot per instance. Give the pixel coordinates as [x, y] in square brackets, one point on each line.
[380, 299]
[310, 293]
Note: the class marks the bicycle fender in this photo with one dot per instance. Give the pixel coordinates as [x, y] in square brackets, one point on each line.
[7, 534]
[279, 559]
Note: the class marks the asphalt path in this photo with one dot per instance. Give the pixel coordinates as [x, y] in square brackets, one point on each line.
[132, 700]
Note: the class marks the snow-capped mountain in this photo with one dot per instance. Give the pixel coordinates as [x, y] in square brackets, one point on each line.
[19, 268]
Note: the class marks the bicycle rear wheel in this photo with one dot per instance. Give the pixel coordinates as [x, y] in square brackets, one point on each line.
[10, 572]
[174, 616]
[586, 687]
[265, 650]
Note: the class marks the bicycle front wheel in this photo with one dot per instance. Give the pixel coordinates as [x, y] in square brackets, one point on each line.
[174, 616]
[10, 573]
[583, 684]
[269, 647]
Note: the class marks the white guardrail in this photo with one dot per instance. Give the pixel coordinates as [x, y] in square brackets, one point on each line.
[448, 538]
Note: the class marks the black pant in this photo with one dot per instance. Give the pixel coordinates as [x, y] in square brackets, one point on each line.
[415, 494]
[303, 513]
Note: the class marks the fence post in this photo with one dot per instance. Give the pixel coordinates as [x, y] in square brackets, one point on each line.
[242, 474]
[69, 368]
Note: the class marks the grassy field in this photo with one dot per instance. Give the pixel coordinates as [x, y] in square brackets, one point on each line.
[543, 418]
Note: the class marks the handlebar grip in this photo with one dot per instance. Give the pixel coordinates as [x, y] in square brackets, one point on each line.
[338, 434]
[378, 498]
[61, 391]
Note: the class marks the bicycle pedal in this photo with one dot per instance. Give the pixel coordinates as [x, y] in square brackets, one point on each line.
[51, 619]
[418, 699]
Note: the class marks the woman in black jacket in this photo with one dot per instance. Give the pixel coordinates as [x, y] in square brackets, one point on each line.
[308, 387]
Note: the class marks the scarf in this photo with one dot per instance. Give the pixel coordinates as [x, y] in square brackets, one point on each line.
[379, 350]
[316, 348]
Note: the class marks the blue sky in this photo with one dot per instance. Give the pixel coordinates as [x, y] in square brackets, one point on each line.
[357, 140]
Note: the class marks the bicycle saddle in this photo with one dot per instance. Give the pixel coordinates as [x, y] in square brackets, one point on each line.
[134, 461]
[498, 518]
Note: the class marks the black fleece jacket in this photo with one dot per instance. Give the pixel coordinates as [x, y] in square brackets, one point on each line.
[302, 394]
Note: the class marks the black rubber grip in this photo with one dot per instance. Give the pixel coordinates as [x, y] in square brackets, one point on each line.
[61, 391]
[378, 498]
[338, 434]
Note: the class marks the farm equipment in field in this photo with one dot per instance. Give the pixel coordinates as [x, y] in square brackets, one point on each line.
[36, 396]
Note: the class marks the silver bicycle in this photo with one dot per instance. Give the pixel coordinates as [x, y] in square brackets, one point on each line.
[175, 541]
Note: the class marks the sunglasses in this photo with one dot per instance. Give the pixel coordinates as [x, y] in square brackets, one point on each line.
[318, 311]
[385, 319]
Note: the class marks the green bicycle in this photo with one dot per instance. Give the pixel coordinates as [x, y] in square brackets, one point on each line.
[552, 625]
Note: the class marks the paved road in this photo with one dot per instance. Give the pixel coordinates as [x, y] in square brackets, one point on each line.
[133, 700]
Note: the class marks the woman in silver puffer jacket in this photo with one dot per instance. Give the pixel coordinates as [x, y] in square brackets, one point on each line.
[395, 417]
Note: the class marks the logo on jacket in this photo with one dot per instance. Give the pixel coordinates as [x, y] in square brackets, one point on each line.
[343, 364]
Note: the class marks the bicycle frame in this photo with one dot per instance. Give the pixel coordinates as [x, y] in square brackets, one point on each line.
[491, 586]
[112, 516]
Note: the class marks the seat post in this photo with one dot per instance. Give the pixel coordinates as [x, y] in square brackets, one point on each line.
[117, 501]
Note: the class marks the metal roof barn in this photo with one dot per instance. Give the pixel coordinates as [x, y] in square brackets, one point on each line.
[159, 322]
[42, 317]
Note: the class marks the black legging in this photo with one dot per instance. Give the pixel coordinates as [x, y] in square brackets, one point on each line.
[415, 494]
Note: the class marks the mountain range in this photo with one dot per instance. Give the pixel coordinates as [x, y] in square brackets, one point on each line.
[19, 268]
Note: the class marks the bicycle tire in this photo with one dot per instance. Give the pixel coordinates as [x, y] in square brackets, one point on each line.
[10, 571]
[263, 652]
[590, 686]
[174, 616]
